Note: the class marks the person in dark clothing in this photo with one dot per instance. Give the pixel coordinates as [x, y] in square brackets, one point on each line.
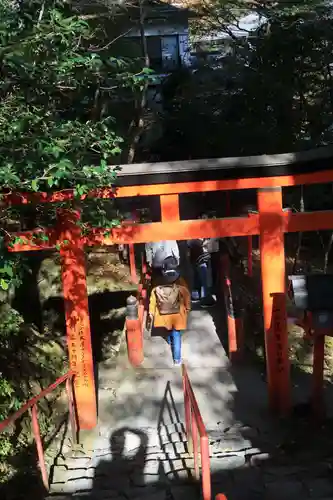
[200, 259]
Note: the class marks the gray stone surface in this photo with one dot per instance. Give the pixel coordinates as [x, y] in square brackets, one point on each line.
[139, 451]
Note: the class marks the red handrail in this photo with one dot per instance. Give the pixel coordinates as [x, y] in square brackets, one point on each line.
[194, 425]
[32, 404]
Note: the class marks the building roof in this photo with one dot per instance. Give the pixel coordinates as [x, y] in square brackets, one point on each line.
[242, 167]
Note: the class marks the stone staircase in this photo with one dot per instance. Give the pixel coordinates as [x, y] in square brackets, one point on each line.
[131, 463]
[151, 464]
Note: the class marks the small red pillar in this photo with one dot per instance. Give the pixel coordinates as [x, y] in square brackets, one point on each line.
[131, 249]
[77, 317]
[134, 331]
[234, 318]
[272, 259]
[134, 276]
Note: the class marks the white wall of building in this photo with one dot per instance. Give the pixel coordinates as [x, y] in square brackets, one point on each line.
[184, 49]
[174, 41]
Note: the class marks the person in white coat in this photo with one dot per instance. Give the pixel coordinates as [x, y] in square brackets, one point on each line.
[157, 252]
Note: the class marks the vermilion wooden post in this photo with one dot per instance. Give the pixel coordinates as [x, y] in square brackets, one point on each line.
[273, 281]
[131, 250]
[169, 207]
[279, 334]
[134, 276]
[234, 323]
[77, 317]
[143, 265]
[134, 336]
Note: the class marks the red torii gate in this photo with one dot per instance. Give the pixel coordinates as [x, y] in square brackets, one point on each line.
[266, 174]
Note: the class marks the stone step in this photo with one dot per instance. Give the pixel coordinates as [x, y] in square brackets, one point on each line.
[123, 474]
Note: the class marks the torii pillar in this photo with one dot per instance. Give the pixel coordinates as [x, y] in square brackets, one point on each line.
[272, 257]
[77, 316]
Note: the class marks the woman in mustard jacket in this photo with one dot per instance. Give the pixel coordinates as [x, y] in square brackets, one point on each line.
[169, 305]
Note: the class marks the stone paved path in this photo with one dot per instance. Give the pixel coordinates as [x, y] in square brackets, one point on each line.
[139, 451]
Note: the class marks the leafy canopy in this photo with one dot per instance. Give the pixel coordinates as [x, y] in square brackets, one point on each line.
[49, 136]
[59, 85]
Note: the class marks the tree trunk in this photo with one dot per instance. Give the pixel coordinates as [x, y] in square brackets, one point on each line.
[137, 124]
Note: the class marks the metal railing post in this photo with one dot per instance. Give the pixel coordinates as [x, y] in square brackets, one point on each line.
[195, 446]
[187, 407]
[39, 446]
[31, 405]
[205, 467]
[195, 428]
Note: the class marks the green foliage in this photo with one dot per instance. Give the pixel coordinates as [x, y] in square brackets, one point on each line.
[61, 86]
[10, 322]
[11, 268]
[51, 134]
[29, 361]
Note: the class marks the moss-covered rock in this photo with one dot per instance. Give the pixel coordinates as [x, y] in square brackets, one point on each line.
[105, 273]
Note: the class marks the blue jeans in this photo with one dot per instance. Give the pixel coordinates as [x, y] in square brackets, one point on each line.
[202, 281]
[175, 340]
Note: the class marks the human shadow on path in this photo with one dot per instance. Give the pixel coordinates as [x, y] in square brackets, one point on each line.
[142, 465]
[123, 465]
